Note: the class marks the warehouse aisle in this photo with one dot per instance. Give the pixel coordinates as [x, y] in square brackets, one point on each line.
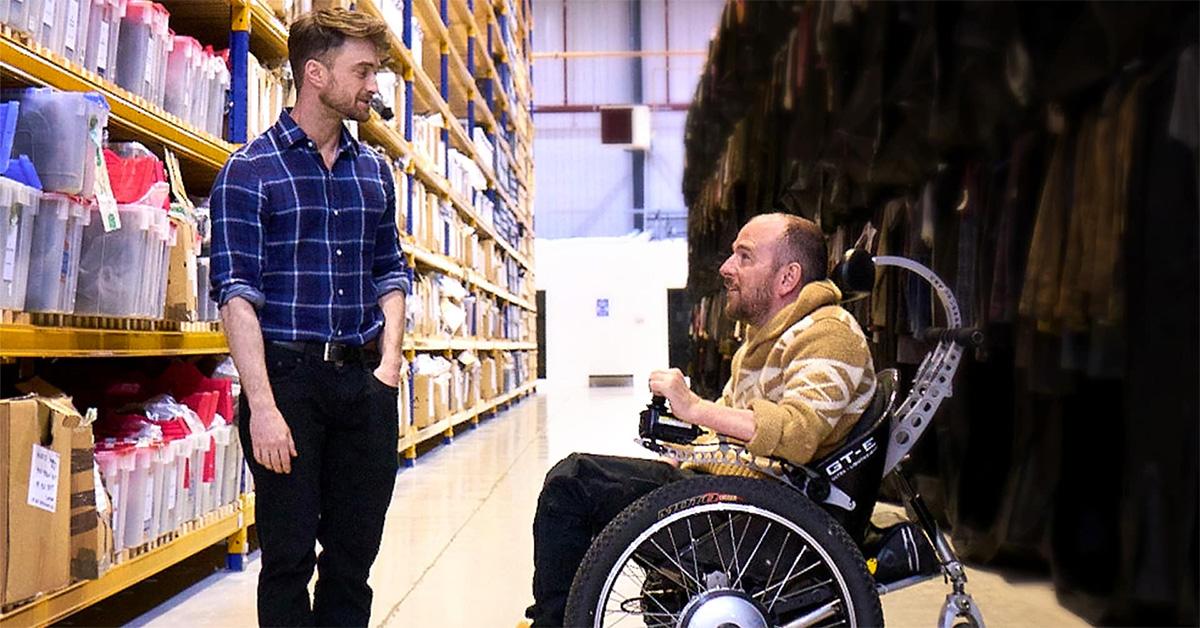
[457, 550]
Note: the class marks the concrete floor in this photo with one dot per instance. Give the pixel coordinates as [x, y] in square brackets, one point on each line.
[458, 552]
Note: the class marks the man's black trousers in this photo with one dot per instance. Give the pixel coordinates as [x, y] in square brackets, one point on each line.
[345, 426]
[582, 493]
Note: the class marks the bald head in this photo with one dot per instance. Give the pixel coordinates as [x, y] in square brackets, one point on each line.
[797, 240]
[773, 258]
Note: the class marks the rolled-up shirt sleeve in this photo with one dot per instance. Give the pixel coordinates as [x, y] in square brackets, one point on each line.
[237, 203]
[389, 271]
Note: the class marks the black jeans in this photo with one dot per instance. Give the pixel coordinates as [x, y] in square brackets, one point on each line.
[345, 425]
[582, 493]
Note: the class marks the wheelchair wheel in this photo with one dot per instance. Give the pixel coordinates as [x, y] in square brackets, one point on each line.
[717, 551]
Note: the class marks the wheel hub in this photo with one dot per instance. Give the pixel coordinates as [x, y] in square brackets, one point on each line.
[723, 608]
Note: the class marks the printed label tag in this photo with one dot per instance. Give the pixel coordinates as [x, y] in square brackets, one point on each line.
[102, 49]
[148, 73]
[73, 26]
[102, 504]
[48, 13]
[172, 493]
[10, 244]
[43, 479]
[109, 216]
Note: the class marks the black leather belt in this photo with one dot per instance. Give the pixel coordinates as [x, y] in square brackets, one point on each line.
[331, 351]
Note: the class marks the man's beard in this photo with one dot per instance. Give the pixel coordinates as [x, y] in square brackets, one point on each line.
[748, 305]
[348, 110]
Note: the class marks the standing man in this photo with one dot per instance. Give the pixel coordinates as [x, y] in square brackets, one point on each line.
[307, 270]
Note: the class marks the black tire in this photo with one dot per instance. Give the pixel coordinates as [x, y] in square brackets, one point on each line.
[705, 496]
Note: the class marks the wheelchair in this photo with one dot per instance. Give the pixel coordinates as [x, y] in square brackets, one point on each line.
[788, 546]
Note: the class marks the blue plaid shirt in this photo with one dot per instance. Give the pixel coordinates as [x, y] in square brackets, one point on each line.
[311, 249]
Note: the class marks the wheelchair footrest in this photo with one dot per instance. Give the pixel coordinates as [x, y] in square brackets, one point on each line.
[899, 552]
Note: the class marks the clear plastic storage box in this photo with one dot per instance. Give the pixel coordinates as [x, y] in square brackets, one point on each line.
[218, 86]
[112, 268]
[184, 74]
[18, 210]
[75, 29]
[48, 23]
[53, 128]
[144, 42]
[103, 32]
[54, 258]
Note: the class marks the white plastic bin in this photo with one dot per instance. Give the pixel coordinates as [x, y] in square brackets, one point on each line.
[217, 89]
[104, 29]
[140, 48]
[231, 476]
[184, 75]
[49, 27]
[18, 212]
[18, 14]
[53, 129]
[140, 500]
[54, 256]
[175, 470]
[115, 468]
[74, 28]
[201, 442]
[112, 265]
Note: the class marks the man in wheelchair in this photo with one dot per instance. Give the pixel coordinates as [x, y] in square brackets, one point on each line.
[800, 383]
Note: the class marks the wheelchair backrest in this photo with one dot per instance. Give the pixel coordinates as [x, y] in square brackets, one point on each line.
[857, 466]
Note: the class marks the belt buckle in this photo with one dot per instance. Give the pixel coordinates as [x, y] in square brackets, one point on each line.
[333, 352]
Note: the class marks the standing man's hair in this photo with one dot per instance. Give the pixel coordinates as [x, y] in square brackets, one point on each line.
[803, 242]
[315, 34]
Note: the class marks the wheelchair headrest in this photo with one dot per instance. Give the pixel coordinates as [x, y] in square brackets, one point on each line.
[854, 275]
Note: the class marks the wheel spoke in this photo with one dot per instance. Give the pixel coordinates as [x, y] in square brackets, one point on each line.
[775, 565]
[733, 543]
[717, 542]
[750, 560]
[679, 560]
[656, 582]
[788, 577]
[692, 535]
[681, 568]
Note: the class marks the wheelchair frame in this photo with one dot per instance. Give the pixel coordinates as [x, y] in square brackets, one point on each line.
[932, 385]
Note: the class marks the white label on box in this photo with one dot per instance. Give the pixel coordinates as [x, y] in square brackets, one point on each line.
[149, 70]
[10, 243]
[43, 479]
[102, 505]
[73, 26]
[102, 48]
[148, 504]
[172, 492]
[48, 13]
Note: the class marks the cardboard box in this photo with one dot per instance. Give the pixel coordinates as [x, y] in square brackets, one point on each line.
[472, 377]
[441, 397]
[487, 376]
[91, 528]
[35, 496]
[181, 273]
[423, 401]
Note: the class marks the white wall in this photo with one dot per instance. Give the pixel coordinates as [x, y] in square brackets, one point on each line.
[634, 274]
[585, 188]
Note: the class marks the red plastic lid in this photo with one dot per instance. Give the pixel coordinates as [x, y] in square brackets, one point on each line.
[132, 177]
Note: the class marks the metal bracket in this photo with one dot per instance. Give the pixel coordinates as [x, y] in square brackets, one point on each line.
[933, 382]
[727, 453]
[960, 605]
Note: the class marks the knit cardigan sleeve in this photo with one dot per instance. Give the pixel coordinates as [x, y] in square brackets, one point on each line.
[828, 381]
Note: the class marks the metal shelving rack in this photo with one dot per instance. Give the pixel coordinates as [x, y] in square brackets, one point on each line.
[474, 55]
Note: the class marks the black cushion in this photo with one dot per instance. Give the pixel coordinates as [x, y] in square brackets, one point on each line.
[854, 275]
